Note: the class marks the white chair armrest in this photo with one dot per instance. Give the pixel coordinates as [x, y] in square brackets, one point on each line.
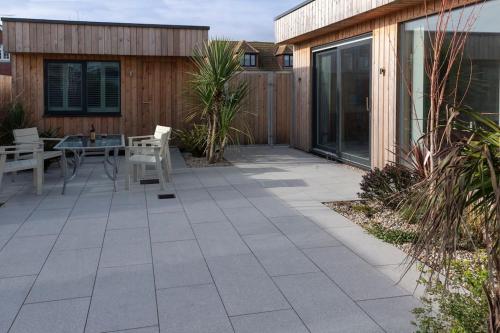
[131, 139]
[147, 142]
[51, 139]
[140, 150]
[17, 149]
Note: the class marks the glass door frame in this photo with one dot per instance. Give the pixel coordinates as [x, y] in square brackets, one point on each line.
[337, 152]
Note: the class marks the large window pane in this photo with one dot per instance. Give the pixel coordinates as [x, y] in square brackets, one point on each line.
[103, 87]
[478, 78]
[64, 87]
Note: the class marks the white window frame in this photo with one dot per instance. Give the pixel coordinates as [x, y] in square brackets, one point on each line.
[4, 58]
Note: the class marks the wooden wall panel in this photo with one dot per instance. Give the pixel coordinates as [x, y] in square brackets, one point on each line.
[152, 92]
[384, 87]
[283, 92]
[5, 90]
[32, 36]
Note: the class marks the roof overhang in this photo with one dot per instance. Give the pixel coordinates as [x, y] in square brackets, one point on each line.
[317, 17]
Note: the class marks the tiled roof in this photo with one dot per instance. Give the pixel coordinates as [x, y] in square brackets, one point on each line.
[267, 53]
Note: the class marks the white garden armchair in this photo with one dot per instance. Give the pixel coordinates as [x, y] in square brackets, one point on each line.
[153, 140]
[29, 136]
[144, 154]
[35, 162]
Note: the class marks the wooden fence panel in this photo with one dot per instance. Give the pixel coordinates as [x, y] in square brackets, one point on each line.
[267, 107]
[5, 90]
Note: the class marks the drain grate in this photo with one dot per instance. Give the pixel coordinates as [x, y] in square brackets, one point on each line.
[149, 181]
[166, 196]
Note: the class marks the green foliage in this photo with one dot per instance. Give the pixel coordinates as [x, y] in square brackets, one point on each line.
[462, 307]
[392, 236]
[218, 97]
[387, 185]
[15, 118]
[193, 140]
[364, 209]
[459, 201]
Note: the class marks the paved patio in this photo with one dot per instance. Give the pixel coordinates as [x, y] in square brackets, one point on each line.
[247, 248]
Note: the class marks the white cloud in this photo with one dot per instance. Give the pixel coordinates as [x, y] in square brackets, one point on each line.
[235, 19]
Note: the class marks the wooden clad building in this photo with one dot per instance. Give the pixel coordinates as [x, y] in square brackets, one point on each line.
[351, 61]
[121, 78]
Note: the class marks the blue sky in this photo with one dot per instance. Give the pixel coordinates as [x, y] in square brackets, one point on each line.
[235, 19]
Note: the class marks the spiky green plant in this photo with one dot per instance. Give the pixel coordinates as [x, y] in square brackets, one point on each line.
[14, 118]
[460, 199]
[218, 97]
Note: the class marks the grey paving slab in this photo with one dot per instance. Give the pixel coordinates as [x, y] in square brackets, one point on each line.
[156, 205]
[128, 217]
[249, 221]
[58, 202]
[13, 291]
[126, 247]
[129, 198]
[204, 211]
[304, 233]
[228, 197]
[323, 306]
[244, 286]
[77, 235]
[219, 239]
[173, 226]
[192, 309]
[278, 255]
[44, 222]
[179, 264]
[66, 274]
[124, 297]
[153, 329]
[52, 317]
[271, 207]
[325, 217]
[393, 314]
[25, 255]
[356, 277]
[285, 321]
[373, 250]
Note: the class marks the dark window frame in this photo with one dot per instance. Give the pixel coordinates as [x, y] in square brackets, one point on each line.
[252, 56]
[288, 60]
[84, 112]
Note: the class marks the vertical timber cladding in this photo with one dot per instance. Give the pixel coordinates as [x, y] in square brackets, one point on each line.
[267, 107]
[384, 86]
[152, 92]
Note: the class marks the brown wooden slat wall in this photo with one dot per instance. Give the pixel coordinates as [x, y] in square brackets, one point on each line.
[283, 93]
[35, 37]
[384, 87]
[267, 92]
[5, 91]
[153, 91]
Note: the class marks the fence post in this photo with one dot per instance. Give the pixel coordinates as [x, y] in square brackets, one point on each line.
[270, 109]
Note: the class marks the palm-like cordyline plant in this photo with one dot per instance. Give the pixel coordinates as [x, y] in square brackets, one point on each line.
[463, 189]
[217, 101]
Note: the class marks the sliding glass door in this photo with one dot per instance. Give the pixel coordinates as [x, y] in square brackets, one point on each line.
[342, 100]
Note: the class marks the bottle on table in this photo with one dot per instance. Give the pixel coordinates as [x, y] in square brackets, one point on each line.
[92, 133]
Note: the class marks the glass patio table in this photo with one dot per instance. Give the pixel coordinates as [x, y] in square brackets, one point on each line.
[79, 146]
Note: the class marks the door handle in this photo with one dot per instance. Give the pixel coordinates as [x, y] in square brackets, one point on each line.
[145, 102]
[367, 104]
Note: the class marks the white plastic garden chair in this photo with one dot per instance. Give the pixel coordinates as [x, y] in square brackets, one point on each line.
[145, 154]
[35, 162]
[153, 140]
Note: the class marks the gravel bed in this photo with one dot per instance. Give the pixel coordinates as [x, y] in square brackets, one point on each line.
[201, 162]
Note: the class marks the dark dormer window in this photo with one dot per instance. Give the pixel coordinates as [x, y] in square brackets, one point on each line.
[287, 60]
[249, 60]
